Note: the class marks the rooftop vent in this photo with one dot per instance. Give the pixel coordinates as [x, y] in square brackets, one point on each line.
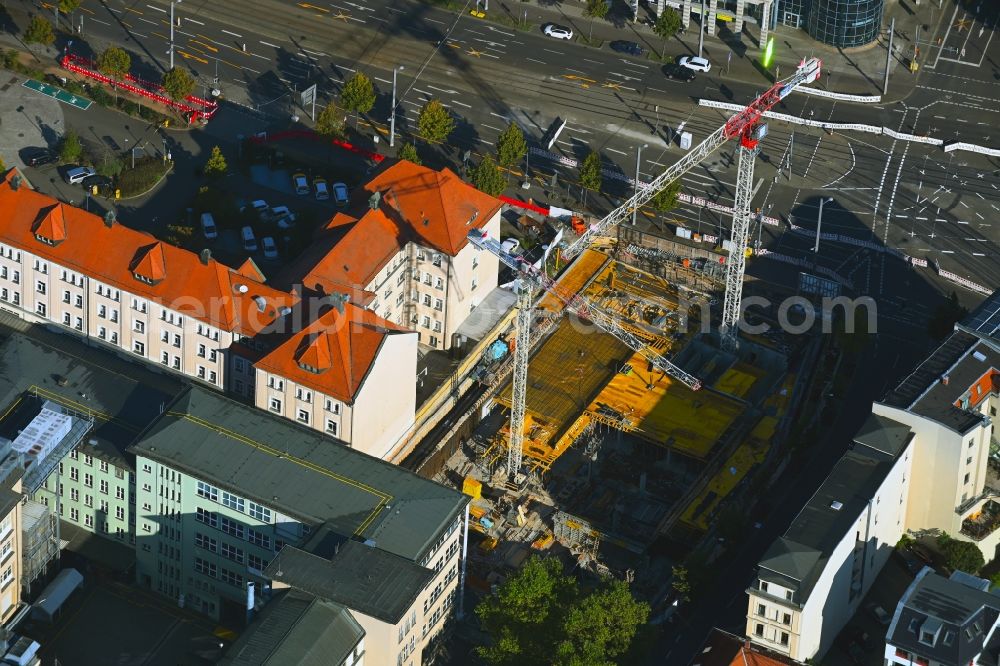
[284, 310]
[15, 182]
[241, 288]
[374, 200]
[110, 218]
[979, 356]
[836, 506]
[206, 256]
[261, 303]
[472, 219]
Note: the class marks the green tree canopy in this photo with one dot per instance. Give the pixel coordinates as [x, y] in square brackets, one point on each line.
[667, 25]
[680, 582]
[409, 152]
[115, 62]
[216, 164]
[487, 178]
[511, 146]
[39, 31]
[330, 121]
[70, 148]
[961, 555]
[666, 199]
[591, 177]
[540, 617]
[595, 9]
[358, 94]
[435, 124]
[68, 6]
[178, 83]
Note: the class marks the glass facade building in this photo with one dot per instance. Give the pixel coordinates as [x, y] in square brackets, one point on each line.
[841, 23]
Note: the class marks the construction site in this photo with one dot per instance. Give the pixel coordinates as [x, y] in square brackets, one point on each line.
[617, 455]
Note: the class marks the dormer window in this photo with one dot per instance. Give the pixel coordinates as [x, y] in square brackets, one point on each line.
[143, 278]
[43, 239]
[309, 368]
[927, 637]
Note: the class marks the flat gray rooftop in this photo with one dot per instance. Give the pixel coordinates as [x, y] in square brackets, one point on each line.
[301, 472]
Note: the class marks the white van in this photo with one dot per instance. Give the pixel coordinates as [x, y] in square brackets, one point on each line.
[74, 176]
[208, 226]
[249, 242]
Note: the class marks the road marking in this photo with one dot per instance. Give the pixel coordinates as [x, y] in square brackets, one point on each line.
[147, 20]
[980, 196]
[381, 80]
[100, 21]
[193, 21]
[273, 46]
[960, 222]
[596, 62]
[533, 60]
[498, 115]
[495, 129]
[964, 204]
[615, 150]
[317, 53]
[437, 21]
[232, 33]
[556, 52]
[468, 106]
[159, 9]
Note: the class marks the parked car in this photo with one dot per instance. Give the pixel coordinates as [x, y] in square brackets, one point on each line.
[35, 157]
[909, 561]
[695, 63]
[880, 614]
[270, 249]
[322, 191]
[623, 46]
[284, 218]
[558, 31]
[249, 240]
[678, 73]
[98, 180]
[300, 184]
[76, 175]
[510, 245]
[260, 207]
[208, 228]
[340, 194]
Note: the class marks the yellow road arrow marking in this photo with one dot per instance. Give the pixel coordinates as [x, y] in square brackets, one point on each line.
[306, 5]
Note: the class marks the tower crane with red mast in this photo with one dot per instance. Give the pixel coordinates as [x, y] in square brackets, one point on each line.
[745, 125]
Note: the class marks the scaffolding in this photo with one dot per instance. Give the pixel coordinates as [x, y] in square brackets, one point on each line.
[575, 533]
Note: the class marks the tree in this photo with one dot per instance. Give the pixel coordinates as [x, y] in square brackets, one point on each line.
[70, 149]
[114, 62]
[216, 165]
[595, 9]
[179, 234]
[435, 124]
[39, 32]
[680, 582]
[540, 617]
[487, 178]
[666, 199]
[409, 152]
[960, 555]
[178, 83]
[358, 95]
[66, 7]
[591, 177]
[330, 121]
[667, 25]
[511, 146]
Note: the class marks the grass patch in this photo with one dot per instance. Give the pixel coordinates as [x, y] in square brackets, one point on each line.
[595, 42]
[147, 172]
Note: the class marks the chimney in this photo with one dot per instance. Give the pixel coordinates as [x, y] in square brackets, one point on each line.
[15, 181]
[374, 200]
[944, 379]
[206, 256]
[338, 301]
[110, 218]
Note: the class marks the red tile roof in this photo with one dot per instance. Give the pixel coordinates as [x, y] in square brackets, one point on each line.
[437, 207]
[338, 348]
[210, 292]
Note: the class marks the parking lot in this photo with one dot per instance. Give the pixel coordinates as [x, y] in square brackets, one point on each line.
[135, 627]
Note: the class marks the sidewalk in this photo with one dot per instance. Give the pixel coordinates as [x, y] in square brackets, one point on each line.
[858, 71]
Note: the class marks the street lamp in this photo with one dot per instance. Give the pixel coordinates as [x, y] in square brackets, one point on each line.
[819, 220]
[172, 3]
[635, 186]
[392, 113]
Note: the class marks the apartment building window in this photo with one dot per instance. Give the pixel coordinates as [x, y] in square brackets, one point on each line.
[207, 517]
[399, 299]
[103, 486]
[427, 278]
[201, 372]
[103, 506]
[427, 299]
[387, 294]
[67, 319]
[66, 296]
[331, 427]
[114, 338]
[231, 553]
[968, 461]
[205, 567]
[475, 263]
[212, 377]
[139, 347]
[40, 308]
[139, 305]
[259, 512]
[78, 324]
[201, 351]
[275, 405]
[426, 322]
[120, 512]
[302, 416]
[256, 563]
[88, 460]
[74, 494]
[434, 341]
[438, 304]
[74, 474]
[784, 638]
[759, 630]
[786, 618]
[475, 283]
[437, 326]
[177, 363]
[164, 358]
[277, 384]
[304, 394]
[78, 301]
[205, 542]
[231, 527]
[232, 578]
[439, 283]
[119, 491]
[972, 443]
[139, 326]
[5, 294]
[17, 277]
[233, 501]
[761, 610]
[966, 478]
[88, 480]
[207, 491]
[401, 278]
[102, 311]
[40, 287]
[74, 515]
[258, 538]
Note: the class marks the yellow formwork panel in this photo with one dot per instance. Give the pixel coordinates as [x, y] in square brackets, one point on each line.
[729, 475]
[667, 412]
[738, 380]
[764, 430]
[580, 272]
